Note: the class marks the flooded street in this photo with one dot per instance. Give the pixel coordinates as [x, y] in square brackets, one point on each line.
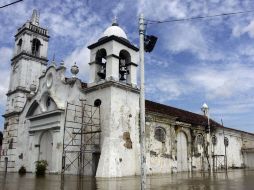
[236, 179]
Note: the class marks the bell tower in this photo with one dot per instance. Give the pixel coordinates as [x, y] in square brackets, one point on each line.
[113, 83]
[113, 57]
[28, 62]
[27, 65]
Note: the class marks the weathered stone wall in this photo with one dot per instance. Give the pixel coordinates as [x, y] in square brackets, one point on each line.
[161, 156]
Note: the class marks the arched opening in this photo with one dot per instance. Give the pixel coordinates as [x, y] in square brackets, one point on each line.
[199, 151]
[97, 103]
[46, 145]
[32, 109]
[36, 47]
[182, 159]
[50, 104]
[101, 61]
[124, 61]
[47, 102]
[19, 46]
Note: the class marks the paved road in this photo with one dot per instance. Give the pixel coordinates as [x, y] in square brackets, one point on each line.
[236, 179]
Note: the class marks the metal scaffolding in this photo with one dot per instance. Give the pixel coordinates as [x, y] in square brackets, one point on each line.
[81, 139]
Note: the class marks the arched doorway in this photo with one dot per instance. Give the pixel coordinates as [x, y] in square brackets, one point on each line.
[182, 162]
[46, 145]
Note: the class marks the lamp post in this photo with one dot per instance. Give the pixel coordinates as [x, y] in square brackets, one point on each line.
[205, 110]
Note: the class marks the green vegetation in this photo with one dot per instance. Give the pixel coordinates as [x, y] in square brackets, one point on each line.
[41, 166]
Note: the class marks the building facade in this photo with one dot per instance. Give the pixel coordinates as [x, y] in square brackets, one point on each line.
[93, 128]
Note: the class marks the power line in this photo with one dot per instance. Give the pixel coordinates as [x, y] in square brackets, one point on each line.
[196, 18]
[10, 4]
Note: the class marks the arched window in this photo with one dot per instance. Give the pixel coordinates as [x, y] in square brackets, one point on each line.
[200, 139]
[160, 134]
[19, 46]
[36, 47]
[48, 102]
[97, 103]
[214, 139]
[124, 60]
[101, 60]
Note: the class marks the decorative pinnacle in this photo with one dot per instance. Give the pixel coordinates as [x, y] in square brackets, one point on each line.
[35, 18]
[74, 70]
[114, 21]
[62, 63]
[53, 60]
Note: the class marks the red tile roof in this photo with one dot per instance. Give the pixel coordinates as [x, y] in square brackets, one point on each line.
[183, 115]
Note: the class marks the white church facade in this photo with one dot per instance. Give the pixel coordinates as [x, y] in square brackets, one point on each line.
[93, 128]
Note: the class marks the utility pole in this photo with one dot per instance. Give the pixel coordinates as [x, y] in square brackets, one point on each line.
[210, 144]
[142, 102]
[205, 109]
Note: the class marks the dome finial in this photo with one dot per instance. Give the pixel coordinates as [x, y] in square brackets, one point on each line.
[114, 21]
[74, 70]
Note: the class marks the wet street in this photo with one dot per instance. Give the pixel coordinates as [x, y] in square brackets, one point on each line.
[236, 179]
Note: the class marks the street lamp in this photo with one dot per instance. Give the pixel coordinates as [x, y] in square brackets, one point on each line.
[205, 110]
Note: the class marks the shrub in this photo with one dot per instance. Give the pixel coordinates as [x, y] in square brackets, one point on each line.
[41, 166]
[22, 170]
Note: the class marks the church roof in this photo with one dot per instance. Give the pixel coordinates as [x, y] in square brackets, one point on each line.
[183, 115]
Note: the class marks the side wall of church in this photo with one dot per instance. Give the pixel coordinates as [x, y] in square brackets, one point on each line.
[162, 154]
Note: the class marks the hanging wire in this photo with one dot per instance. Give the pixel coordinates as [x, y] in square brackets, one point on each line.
[10, 4]
[197, 18]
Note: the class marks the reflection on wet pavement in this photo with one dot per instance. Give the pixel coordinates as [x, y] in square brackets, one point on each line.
[236, 179]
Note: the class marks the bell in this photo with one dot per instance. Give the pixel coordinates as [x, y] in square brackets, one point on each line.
[122, 73]
[102, 73]
[122, 77]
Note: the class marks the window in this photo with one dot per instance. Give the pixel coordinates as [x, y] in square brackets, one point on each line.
[97, 102]
[124, 60]
[101, 60]
[214, 139]
[36, 47]
[200, 139]
[226, 141]
[48, 102]
[19, 46]
[160, 134]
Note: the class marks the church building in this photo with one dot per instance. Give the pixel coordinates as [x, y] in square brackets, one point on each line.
[93, 128]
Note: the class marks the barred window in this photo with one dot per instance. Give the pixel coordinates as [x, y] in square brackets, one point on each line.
[226, 141]
[214, 139]
[160, 134]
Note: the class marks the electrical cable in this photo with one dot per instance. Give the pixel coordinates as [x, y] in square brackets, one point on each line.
[10, 4]
[196, 18]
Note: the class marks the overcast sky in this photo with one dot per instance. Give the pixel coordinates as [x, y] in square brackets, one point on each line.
[199, 61]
